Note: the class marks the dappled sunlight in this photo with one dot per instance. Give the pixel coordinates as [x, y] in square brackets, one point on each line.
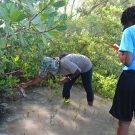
[85, 120]
[29, 124]
[33, 117]
[67, 122]
[36, 118]
[74, 104]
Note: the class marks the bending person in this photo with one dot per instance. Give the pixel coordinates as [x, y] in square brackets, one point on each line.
[71, 66]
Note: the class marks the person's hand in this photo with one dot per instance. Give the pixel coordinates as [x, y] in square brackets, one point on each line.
[22, 85]
[64, 79]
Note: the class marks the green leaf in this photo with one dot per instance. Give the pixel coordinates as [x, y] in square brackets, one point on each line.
[13, 33]
[56, 93]
[50, 22]
[51, 2]
[59, 4]
[21, 38]
[66, 101]
[54, 33]
[1, 22]
[12, 7]
[2, 12]
[2, 82]
[7, 29]
[3, 42]
[16, 58]
[14, 15]
[36, 20]
[44, 39]
[39, 29]
[10, 76]
[48, 35]
[61, 28]
[26, 23]
[30, 6]
[48, 10]
[40, 6]
[1, 29]
[28, 111]
[44, 16]
[63, 17]
[20, 18]
[1, 54]
[53, 14]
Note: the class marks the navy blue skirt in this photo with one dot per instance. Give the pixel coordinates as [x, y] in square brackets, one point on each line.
[123, 106]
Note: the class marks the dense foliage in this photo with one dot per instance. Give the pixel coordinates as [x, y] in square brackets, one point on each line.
[90, 35]
[26, 28]
[37, 28]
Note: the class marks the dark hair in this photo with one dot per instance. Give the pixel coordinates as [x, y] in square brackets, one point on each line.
[62, 55]
[128, 16]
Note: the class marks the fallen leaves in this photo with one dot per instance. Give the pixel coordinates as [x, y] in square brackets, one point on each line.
[12, 127]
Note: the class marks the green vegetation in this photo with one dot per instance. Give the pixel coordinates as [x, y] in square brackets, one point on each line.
[33, 29]
[66, 101]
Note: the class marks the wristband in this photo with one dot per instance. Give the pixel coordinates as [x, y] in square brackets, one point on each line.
[69, 78]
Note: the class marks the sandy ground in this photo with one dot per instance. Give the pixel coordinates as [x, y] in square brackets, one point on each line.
[42, 113]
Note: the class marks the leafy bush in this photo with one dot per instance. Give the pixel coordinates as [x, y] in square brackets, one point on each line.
[26, 38]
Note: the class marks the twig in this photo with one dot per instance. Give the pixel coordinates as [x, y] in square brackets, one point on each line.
[19, 70]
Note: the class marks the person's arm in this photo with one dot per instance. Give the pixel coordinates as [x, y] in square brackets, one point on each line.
[70, 77]
[125, 57]
[34, 81]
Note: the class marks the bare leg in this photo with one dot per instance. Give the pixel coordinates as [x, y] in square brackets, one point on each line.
[123, 128]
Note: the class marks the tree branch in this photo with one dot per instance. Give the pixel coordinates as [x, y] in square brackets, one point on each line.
[96, 6]
[41, 11]
[19, 70]
[72, 6]
[124, 2]
[42, 31]
[22, 29]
